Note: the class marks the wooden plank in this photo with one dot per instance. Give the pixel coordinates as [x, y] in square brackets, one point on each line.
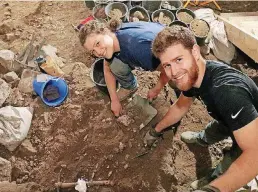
[227, 15]
[241, 38]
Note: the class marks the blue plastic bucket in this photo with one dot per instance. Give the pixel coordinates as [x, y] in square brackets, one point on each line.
[57, 82]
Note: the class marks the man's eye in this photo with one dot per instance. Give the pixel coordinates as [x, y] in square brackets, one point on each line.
[178, 60]
[167, 66]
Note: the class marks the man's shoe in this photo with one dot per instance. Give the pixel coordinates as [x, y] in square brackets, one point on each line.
[126, 93]
[191, 137]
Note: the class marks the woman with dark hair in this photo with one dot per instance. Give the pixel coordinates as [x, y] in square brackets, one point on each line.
[124, 47]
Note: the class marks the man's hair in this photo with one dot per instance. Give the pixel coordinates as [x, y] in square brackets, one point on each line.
[171, 36]
[97, 27]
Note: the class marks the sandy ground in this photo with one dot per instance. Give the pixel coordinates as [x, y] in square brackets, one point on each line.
[81, 138]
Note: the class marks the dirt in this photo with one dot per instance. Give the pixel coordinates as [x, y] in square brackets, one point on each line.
[115, 13]
[82, 138]
[185, 17]
[163, 19]
[200, 28]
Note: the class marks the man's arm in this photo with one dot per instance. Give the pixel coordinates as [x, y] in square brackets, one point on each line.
[111, 85]
[163, 80]
[245, 168]
[175, 113]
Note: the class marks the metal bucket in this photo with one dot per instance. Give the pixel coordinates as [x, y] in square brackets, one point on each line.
[151, 5]
[98, 12]
[201, 40]
[172, 5]
[166, 13]
[180, 23]
[97, 76]
[185, 11]
[142, 10]
[120, 6]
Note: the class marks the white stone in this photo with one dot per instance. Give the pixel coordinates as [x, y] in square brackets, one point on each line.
[11, 76]
[5, 90]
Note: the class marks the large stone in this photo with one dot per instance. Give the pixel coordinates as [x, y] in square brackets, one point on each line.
[6, 27]
[27, 77]
[7, 60]
[5, 170]
[11, 76]
[5, 90]
[27, 149]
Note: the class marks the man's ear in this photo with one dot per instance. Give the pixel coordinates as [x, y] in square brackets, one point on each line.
[196, 52]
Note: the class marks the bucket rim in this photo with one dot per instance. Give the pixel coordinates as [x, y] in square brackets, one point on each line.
[140, 7]
[190, 26]
[165, 10]
[118, 3]
[92, 69]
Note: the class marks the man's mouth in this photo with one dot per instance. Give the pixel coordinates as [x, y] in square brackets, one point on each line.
[178, 77]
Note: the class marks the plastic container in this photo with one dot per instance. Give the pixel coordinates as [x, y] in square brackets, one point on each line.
[200, 39]
[142, 10]
[186, 11]
[151, 5]
[97, 76]
[177, 4]
[166, 13]
[60, 83]
[99, 13]
[180, 23]
[117, 5]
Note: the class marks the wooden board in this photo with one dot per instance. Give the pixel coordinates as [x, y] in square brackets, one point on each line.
[242, 31]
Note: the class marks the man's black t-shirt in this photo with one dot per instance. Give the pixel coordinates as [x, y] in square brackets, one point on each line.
[230, 96]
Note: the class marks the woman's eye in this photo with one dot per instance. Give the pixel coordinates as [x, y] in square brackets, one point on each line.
[167, 66]
[97, 44]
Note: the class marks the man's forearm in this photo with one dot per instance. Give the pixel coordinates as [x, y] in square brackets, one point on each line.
[242, 171]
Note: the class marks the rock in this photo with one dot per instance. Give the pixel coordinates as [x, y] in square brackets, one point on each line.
[126, 166]
[125, 120]
[3, 45]
[110, 173]
[51, 52]
[7, 60]
[19, 168]
[11, 76]
[27, 77]
[27, 149]
[5, 90]
[6, 26]
[5, 170]
[10, 37]
[121, 147]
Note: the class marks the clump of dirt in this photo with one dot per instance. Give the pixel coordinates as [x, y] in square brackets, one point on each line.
[138, 16]
[185, 17]
[115, 13]
[163, 19]
[100, 13]
[200, 28]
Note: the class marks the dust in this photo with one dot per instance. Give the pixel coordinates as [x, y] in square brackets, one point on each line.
[200, 28]
[185, 17]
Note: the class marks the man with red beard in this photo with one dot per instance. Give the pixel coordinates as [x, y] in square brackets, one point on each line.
[230, 97]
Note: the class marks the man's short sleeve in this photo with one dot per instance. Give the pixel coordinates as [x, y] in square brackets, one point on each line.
[235, 106]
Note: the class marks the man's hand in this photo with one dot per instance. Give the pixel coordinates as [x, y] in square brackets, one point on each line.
[116, 107]
[151, 137]
[207, 188]
[153, 93]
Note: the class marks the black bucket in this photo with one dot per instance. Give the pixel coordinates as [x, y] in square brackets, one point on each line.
[97, 76]
[166, 13]
[172, 5]
[186, 20]
[200, 38]
[151, 5]
[98, 12]
[136, 3]
[142, 10]
[180, 23]
[120, 6]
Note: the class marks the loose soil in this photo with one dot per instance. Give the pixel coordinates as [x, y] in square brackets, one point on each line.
[185, 17]
[200, 28]
[82, 138]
